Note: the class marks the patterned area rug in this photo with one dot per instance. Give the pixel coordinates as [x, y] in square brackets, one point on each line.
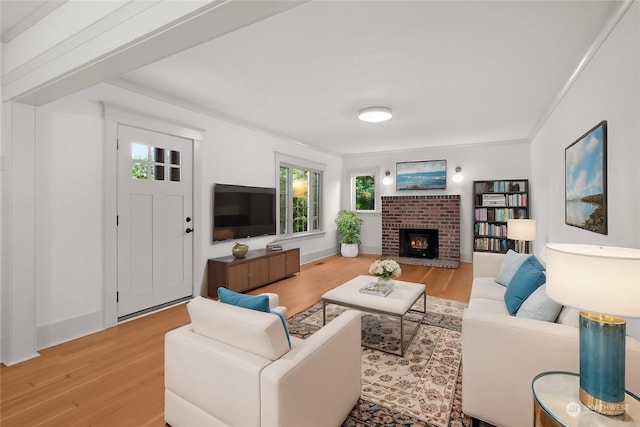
[423, 388]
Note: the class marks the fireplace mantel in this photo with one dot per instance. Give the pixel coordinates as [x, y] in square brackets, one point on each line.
[427, 212]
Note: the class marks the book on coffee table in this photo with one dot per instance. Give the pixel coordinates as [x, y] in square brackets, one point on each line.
[374, 288]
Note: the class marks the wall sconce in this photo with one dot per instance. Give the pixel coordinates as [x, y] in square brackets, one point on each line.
[457, 177]
[387, 180]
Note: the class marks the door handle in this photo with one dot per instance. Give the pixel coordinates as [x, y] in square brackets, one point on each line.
[188, 230]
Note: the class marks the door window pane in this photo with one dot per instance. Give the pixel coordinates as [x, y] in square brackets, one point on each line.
[158, 155]
[174, 157]
[158, 172]
[175, 174]
[139, 161]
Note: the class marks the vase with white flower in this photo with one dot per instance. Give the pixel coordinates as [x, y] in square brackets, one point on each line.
[385, 270]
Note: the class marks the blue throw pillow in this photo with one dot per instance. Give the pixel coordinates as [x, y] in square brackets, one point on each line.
[512, 261]
[529, 277]
[539, 306]
[253, 302]
[284, 324]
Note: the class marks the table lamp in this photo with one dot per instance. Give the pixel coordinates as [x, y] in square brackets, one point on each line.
[603, 282]
[522, 230]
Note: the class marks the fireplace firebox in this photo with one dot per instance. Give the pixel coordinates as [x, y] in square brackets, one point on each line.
[418, 243]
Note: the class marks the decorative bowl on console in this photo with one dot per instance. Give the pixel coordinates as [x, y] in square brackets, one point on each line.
[239, 250]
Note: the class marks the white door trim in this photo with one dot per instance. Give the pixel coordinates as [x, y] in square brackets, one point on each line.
[114, 114]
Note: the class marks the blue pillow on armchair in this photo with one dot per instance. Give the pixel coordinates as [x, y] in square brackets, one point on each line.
[253, 302]
[529, 277]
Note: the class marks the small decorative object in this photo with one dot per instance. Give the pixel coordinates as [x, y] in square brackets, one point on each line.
[239, 250]
[586, 180]
[378, 289]
[384, 270]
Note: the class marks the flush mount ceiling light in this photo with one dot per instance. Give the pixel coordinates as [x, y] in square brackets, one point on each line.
[375, 114]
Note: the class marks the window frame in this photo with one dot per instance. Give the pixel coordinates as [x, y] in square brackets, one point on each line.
[375, 173]
[314, 196]
[354, 189]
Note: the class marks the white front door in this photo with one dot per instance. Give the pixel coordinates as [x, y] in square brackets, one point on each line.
[155, 240]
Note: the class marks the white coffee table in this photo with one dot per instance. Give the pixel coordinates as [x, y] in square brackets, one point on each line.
[396, 304]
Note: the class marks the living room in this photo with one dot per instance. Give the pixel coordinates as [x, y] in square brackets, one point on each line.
[54, 240]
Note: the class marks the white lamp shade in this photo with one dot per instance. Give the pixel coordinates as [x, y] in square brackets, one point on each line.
[598, 279]
[521, 229]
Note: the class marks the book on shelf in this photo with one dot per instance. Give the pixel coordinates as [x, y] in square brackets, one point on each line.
[491, 244]
[488, 229]
[520, 246]
[375, 288]
[493, 200]
[517, 200]
[499, 214]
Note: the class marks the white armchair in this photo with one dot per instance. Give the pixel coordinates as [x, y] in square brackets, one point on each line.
[233, 367]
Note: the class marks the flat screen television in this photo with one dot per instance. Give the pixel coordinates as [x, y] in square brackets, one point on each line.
[240, 211]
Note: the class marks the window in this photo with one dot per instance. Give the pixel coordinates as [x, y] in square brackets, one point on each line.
[299, 196]
[364, 191]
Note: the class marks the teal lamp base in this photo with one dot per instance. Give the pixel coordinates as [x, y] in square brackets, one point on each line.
[602, 353]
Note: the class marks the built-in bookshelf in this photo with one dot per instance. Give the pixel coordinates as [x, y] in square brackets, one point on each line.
[495, 202]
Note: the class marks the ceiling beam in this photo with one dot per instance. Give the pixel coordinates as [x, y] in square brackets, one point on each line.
[106, 53]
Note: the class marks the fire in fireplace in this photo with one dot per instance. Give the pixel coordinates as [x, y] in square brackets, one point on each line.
[418, 243]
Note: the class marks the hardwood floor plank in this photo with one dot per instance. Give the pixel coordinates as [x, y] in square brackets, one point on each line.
[116, 377]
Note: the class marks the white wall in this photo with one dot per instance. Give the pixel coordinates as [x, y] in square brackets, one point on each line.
[70, 191]
[18, 233]
[506, 160]
[608, 89]
[235, 155]
[68, 212]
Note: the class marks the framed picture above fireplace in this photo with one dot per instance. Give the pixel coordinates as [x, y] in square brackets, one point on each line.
[421, 175]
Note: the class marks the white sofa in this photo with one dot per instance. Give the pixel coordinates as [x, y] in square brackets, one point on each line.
[233, 367]
[501, 353]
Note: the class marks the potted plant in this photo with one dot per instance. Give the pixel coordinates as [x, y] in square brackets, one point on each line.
[349, 226]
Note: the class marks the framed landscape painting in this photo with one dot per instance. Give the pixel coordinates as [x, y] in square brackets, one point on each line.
[422, 175]
[586, 180]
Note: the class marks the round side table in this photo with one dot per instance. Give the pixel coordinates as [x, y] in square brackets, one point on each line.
[556, 402]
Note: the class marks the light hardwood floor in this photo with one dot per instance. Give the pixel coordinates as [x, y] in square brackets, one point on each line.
[116, 377]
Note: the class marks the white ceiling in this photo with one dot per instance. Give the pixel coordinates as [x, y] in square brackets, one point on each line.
[18, 15]
[454, 72]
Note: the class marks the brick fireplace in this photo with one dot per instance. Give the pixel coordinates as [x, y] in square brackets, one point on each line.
[441, 213]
